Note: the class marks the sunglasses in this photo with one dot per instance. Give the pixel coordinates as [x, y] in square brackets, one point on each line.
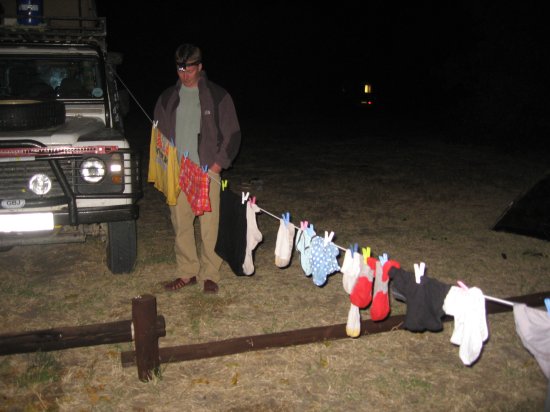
[183, 67]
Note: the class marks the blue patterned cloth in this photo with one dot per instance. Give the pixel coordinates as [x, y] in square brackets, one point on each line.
[323, 260]
[303, 245]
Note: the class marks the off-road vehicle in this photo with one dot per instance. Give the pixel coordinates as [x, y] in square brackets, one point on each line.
[66, 169]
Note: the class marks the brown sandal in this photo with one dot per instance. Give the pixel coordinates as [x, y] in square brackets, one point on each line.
[180, 283]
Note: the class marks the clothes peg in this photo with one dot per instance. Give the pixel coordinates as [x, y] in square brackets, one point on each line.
[366, 253]
[224, 184]
[244, 197]
[547, 303]
[252, 200]
[286, 218]
[155, 124]
[328, 237]
[204, 168]
[311, 231]
[354, 247]
[419, 271]
[186, 154]
[461, 285]
[303, 225]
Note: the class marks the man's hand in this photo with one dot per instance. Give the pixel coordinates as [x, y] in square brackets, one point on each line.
[216, 168]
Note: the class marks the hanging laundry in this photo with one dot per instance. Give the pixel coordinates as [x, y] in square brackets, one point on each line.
[380, 308]
[163, 166]
[231, 242]
[361, 295]
[353, 326]
[467, 306]
[323, 258]
[424, 301]
[194, 182]
[253, 236]
[533, 328]
[285, 242]
[350, 269]
[303, 245]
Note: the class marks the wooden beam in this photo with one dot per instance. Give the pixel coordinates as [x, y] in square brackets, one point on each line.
[302, 336]
[72, 337]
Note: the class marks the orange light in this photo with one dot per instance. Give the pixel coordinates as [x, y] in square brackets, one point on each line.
[116, 179]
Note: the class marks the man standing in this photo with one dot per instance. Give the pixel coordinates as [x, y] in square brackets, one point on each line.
[200, 118]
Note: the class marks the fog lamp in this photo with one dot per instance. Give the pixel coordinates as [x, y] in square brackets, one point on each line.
[40, 184]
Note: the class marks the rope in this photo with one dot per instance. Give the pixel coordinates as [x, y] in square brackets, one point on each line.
[133, 97]
[493, 299]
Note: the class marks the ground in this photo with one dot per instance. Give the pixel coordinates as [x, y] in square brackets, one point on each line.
[415, 194]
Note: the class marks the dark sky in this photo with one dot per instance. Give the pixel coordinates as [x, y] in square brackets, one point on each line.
[422, 54]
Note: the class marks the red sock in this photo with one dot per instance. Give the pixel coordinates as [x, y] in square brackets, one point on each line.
[380, 308]
[361, 295]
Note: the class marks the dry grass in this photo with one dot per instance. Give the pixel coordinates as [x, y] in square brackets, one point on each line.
[416, 199]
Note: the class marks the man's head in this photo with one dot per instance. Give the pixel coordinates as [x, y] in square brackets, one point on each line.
[189, 64]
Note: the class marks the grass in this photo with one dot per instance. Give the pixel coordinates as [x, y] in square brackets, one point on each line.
[43, 368]
[414, 383]
[416, 205]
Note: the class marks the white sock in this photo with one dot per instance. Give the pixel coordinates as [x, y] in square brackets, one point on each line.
[353, 327]
[253, 237]
[284, 245]
[350, 270]
[470, 323]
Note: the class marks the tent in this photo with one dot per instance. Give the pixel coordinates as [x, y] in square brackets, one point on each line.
[529, 214]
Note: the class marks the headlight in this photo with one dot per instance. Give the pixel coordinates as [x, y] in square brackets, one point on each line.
[40, 184]
[92, 170]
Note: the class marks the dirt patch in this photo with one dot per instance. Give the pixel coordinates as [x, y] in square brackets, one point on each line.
[418, 198]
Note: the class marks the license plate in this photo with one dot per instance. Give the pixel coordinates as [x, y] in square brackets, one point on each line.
[26, 222]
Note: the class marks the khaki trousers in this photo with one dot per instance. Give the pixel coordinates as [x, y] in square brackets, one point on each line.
[206, 264]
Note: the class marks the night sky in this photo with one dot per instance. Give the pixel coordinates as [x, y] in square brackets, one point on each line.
[487, 63]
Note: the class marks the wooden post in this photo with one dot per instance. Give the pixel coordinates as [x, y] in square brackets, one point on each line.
[144, 314]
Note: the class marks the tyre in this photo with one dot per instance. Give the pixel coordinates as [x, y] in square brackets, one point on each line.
[30, 114]
[121, 246]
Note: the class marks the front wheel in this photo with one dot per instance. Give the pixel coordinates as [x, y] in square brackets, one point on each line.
[121, 246]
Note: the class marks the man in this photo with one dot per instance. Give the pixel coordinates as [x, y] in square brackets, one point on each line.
[200, 117]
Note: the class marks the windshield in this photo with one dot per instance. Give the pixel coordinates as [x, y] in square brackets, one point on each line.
[71, 77]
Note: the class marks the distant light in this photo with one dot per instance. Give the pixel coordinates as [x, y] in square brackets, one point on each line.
[367, 88]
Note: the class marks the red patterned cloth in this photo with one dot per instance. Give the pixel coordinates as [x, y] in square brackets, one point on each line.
[195, 183]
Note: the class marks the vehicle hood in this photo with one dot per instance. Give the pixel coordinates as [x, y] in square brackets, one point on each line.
[76, 131]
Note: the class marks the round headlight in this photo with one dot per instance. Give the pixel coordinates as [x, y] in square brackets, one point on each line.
[92, 170]
[40, 184]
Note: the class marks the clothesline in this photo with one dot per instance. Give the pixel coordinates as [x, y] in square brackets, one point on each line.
[490, 298]
[365, 280]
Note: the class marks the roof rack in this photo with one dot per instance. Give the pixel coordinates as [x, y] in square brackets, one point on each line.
[56, 30]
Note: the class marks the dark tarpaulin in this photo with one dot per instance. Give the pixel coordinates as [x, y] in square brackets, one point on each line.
[529, 214]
